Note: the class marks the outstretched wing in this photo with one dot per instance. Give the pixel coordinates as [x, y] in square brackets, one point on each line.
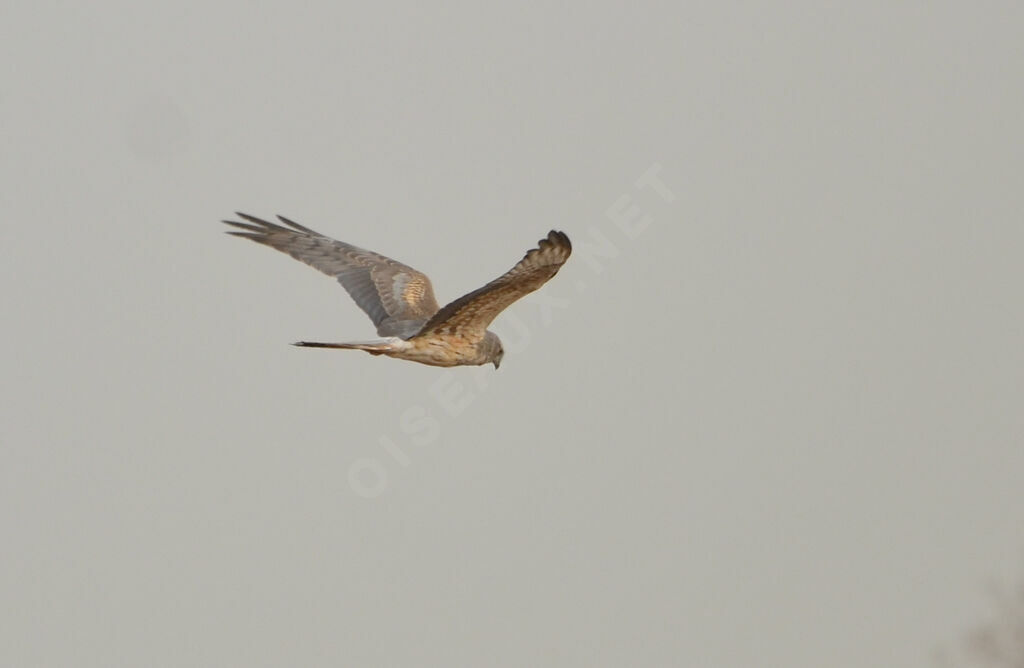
[469, 315]
[397, 298]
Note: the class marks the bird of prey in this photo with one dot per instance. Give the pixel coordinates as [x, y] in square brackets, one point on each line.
[400, 300]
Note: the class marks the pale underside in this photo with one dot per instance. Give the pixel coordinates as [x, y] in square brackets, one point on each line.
[400, 300]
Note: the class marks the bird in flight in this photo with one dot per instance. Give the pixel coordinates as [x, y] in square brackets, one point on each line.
[400, 300]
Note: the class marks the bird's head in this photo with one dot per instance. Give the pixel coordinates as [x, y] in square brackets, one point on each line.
[492, 349]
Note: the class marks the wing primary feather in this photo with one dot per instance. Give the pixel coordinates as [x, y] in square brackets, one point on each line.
[265, 225]
[303, 228]
[397, 298]
[244, 226]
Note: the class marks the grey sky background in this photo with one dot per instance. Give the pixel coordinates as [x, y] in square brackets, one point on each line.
[781, 425]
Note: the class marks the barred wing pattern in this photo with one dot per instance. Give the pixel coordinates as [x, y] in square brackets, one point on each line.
[469, 315]
[398, 299]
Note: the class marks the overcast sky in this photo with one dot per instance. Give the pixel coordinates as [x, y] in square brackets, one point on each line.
[769, 413]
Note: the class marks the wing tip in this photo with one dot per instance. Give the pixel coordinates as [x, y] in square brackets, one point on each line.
[243, 226]
[251, 219]
[266, 227]
[253, 223]
[255, 236]
[557, 239]
[293, 224]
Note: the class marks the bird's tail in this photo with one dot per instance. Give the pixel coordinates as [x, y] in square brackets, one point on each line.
[373, 347]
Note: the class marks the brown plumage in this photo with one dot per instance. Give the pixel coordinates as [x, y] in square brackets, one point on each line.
[400, 300]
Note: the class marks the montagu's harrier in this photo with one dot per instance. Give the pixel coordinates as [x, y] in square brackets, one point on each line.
[400, 300]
